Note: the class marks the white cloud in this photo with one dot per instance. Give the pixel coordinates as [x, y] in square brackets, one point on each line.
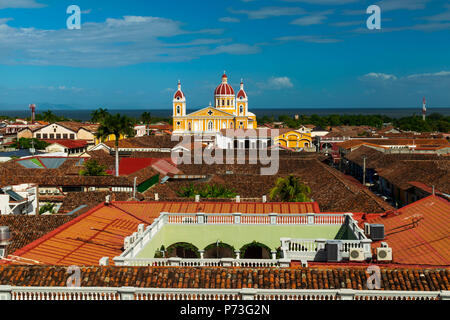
[312, 18]
[114, 42]
[390, 5]
[326, 2]
[268, 12]
[380, 76]
[229, 20]
[418, 76]
[25, 4]
[236, 49]
[311, 39]
[428, 75]
[280, 83]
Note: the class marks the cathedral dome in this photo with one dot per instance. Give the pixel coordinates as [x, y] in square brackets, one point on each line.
[224, 88]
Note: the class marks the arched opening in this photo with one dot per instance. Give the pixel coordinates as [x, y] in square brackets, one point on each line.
[210, 126]
[241, 109]
[178, 109]
[189, 126]
[183, 250]
[218, 250]
[255, 250]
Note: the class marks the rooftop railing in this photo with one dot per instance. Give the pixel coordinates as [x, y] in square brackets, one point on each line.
[138, 240]
[132, 293]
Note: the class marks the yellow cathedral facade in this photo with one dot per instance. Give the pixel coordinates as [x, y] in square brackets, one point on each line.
[230, 111]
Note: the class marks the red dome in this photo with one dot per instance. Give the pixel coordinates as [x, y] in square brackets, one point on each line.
[241, 94]
[224, 88]
[178, 94]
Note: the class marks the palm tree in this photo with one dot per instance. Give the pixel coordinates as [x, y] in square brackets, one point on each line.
[98, 115]
[146, 118]
[117, 125]
[290, 189]
[49, 116]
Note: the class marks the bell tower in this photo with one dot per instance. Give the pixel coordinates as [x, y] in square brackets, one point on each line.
[179, 102]
[242, 101]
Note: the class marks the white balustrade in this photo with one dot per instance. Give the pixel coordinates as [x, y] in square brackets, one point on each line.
[125, 293]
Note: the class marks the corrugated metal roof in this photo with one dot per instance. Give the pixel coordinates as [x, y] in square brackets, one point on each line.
[52, 163]
[427, 241]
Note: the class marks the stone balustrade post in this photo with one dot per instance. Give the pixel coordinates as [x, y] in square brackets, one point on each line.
[347, 294]
[200, 218]
[197, 198]
[284, 263]
[126, 293]
[156, 197]
[274, 254]
[141, 229]
[264, 199]
[165, 217]
[310, 218]
[202, 254]
[5, 293]
[226, 262]
[237, 217]
[238, 254]
[273, 218]
[174, 262]
[238, 199]
[248, 294]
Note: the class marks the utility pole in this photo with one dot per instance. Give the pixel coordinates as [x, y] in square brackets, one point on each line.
[364, 170]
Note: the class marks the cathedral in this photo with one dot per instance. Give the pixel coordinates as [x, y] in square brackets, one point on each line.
[230, 111]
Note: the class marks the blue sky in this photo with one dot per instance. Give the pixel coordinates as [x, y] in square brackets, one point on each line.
[290, 53]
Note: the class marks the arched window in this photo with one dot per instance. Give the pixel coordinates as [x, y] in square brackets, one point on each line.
[223, 102]
[178, 109]
[231, 125]
[228, 102]
[210, 126]
[189, 126]
[241, 109]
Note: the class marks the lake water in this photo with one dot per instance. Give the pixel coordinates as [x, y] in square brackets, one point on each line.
[135, 113]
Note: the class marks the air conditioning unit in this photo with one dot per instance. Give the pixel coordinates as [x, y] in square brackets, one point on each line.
[333, 251]
[384, 254]
[377, 232]
[356, 254]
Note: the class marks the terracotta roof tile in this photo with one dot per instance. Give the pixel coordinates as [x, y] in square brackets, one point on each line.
[402, 279]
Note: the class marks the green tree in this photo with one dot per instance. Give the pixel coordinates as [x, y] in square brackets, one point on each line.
[146, 118]
[49, 116]
[290, 189]
[93, 168]
[26, 143]
[99, 115]
[48, 207]
[118, 126]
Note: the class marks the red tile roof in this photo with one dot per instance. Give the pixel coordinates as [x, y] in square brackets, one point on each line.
[70, 144]
[419, 233]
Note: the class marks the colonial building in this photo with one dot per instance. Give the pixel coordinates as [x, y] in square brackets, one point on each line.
[230, 111]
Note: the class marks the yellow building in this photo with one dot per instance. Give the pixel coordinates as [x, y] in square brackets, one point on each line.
[230, 111]
[294, 139]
